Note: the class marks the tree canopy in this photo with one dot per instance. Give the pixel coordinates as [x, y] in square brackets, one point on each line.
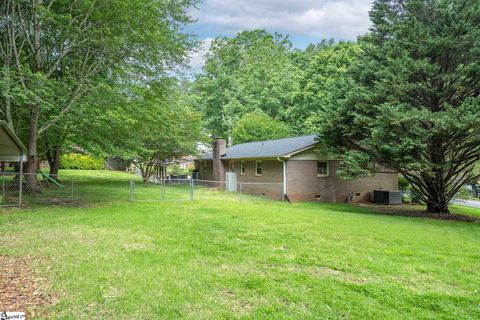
[251, 71]
[257, 126]
[325, 71]
[257, 70]
[55, 54]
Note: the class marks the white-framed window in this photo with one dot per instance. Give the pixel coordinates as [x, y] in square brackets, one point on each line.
[242, 168]
[322, 168]
[258, 167]
[231, 166]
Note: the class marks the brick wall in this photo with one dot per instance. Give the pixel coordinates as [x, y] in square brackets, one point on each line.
[205, 169]
[304, 185]
[302, 181]
[272, 171]
[272, 176]
[219, 148]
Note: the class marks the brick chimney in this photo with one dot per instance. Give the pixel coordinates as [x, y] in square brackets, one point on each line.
[219, 148]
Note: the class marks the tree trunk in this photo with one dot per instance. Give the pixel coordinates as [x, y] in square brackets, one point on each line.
[53, 157]
[437, 191]
[437, 206]
[145, 175]
[147, 170]
[32, 160]
[436, 199]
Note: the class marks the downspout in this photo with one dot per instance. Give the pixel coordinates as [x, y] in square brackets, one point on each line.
[284, 178]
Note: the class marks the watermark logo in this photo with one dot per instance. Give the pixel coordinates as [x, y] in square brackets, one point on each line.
[12, 315]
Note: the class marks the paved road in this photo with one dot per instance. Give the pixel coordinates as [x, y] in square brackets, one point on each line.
[467, 203]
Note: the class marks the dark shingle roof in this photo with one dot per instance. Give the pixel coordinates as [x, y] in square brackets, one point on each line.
[10, 144]
[206, 156]
[270, 148]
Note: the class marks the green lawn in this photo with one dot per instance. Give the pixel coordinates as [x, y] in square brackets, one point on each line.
[252, 259]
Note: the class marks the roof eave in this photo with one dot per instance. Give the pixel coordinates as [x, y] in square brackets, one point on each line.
[251, 158]
[13, 136]
[300, 150]
[285, 156]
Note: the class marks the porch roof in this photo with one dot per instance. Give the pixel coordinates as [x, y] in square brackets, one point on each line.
[11, 148]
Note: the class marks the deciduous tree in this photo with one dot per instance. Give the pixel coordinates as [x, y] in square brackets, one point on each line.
[251, 71]
[257, 126]
[325, 72]
[53, 53]
[150, 123]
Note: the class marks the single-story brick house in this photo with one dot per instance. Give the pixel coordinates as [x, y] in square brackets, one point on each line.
[297, 165]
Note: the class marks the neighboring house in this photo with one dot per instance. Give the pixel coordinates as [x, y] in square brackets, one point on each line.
[296, 164]
[117, 164]
[186, 162]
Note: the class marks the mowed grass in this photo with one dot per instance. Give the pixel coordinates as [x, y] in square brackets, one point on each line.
[255, 259]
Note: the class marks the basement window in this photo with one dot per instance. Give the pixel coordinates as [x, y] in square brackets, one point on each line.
[258, 168]
[322, 169]
[242, 168]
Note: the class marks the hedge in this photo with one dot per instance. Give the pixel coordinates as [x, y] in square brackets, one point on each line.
[81, 162]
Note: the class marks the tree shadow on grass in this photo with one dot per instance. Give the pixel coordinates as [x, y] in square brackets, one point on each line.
[405, 210]
[414, 211]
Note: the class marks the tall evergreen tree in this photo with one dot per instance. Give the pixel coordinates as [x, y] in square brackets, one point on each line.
[413, 103]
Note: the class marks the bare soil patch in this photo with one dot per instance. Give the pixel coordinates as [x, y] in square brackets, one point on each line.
[19, 288]
[407, 210]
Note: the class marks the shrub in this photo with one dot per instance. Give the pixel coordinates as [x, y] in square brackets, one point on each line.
[81, 162]
[403, 183]
[408, 195]
[176, 170]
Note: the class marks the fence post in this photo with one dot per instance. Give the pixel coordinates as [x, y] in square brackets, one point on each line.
[20, 185]
[132, 190]
[241, 192]
[191, 188]
[162, 189]
[3, 187]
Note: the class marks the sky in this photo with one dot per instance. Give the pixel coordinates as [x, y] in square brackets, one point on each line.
[305, 21]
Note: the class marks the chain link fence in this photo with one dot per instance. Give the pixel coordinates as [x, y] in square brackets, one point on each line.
[41, 189]
[161, 190]
[77, 189]
[25, 188]
[194, 189]
[11, 191]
